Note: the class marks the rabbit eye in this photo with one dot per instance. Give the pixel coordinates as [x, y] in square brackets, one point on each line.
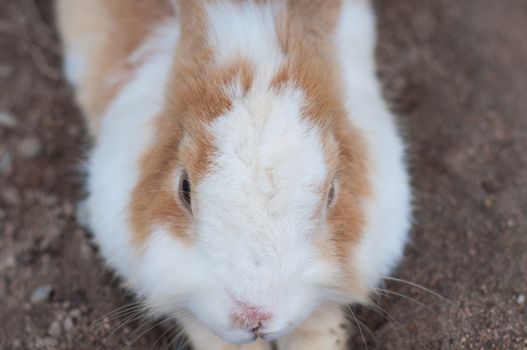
[331, 194]
[185, 191]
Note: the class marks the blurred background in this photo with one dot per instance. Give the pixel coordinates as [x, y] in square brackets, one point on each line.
[456, 73]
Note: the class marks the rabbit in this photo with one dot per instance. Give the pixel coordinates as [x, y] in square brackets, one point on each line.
[247, 177]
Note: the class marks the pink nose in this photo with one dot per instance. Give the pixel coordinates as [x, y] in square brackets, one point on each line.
[250, 317]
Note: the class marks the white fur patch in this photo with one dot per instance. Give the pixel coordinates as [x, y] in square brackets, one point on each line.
[255, 213]
[388, 212]
[126, 132]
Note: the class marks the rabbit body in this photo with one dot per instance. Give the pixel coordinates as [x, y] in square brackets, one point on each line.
[247, 177]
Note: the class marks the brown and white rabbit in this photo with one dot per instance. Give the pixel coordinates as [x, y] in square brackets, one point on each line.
[247, 177]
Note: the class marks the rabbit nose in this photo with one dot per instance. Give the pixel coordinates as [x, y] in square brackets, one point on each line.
[250, 317]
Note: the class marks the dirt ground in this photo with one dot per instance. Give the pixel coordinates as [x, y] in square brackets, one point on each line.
[456, 72]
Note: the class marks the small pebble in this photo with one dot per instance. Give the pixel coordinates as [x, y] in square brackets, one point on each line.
[520, 299]
[75, 313]
[10, 195]
[55, 330]
[7, 120]
[7, 262]
[42, 293]
[68, 209]
[67, 324]
[29, 148]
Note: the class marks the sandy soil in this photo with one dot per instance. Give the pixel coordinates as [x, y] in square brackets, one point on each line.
[457, 75]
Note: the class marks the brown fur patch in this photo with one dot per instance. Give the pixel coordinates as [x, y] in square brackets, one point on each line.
[183, 141]
[305, 35]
